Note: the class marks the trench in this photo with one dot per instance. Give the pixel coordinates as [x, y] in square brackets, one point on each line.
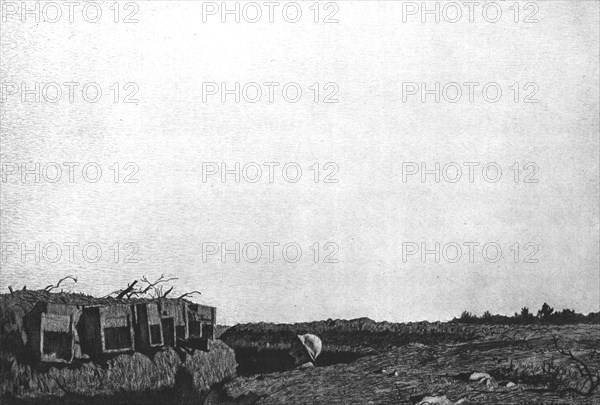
[252, 360]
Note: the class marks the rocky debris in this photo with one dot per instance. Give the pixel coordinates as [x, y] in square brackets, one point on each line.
[440, 400]
[443, 400]
[479, 376]
[423, 370]
[388, 372]
[484, 378]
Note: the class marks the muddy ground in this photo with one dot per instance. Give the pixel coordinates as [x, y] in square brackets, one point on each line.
[525, 365]
[364, 362]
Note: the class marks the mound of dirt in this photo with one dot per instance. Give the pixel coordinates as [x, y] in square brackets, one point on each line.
[110, 377]
[529, 371]
[15, 306]
[357, 333]
[124, 373]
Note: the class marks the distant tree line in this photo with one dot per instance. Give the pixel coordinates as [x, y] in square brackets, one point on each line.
[546, 315]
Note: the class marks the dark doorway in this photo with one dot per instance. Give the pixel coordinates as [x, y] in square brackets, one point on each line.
[118, 338]
[155, 336]
[195, 328]
[168, 327]
[58, 345]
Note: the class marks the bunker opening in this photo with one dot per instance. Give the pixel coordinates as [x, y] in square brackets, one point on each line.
[254, 360]
[117, 338]
[58, 345]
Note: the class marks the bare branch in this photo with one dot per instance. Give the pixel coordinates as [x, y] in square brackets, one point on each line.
[127, 290]
[189, 293]
[114, 292]
[152, 289]
[167, 293]
[583, 369]
[157, 292]
[52, 287]
[131, 294]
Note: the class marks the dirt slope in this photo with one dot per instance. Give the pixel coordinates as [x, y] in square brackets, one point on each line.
[405, 374]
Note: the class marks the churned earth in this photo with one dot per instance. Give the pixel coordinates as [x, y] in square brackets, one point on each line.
[501, 365]
[363, 362]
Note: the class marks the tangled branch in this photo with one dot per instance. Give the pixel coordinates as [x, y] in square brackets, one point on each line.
[157, 292]
[590, 377]
[52, 287]
[126, 291]
[189, 293]
[151, 289]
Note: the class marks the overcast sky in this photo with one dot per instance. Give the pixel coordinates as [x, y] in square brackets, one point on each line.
[369, 208]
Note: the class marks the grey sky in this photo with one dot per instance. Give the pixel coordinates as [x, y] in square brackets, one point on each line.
[368, 134]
